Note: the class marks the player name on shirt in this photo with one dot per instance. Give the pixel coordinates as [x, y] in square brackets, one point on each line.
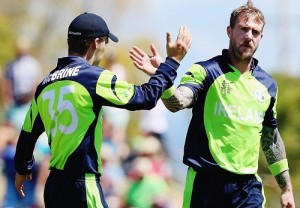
[62, 73]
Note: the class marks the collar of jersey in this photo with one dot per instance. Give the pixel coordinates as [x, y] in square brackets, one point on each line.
[69, 59]
[245, 75]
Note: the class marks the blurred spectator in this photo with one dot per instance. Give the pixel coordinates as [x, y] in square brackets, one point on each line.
[113, 177]
[2, 87]
[154, 123]
[21, 78]
[150, 147]
[117, 117]
[17, 90]
[146, 188]
[12, 199]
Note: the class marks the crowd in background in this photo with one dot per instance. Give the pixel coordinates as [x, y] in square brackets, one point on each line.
[136, 171]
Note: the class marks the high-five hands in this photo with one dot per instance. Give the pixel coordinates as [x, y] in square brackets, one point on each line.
[177, 50]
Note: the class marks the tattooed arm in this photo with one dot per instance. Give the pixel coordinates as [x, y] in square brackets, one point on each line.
[274, 150]
[183, 97]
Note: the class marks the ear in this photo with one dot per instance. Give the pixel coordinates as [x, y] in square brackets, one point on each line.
[229, 31]
[96, 43]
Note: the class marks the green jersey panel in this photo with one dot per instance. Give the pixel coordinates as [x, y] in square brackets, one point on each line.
[228, 114]
[118, 96]
[60, 106]
[233, 116]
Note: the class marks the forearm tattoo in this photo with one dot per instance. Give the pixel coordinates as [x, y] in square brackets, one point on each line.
[283, 179]
[182, 98]
[274, 150]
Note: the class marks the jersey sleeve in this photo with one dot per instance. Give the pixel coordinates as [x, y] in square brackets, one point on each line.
[195, 75]
[121, 94]
[32, 129]
[194, 78]
[270, 119]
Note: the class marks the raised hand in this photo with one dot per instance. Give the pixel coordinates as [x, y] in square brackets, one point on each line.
[146, 63]
[180, 47]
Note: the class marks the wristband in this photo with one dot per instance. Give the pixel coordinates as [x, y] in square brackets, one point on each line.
[279, 167]
[168, 92]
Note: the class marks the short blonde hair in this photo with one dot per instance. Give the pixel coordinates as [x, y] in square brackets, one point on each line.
[247, 10]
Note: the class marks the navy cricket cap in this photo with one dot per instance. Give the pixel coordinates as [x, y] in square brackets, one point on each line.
[89, 26]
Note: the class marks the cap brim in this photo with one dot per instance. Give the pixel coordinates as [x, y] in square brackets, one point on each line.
[113, 37]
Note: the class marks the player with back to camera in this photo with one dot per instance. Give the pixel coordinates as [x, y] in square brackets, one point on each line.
[68, 106]
[233, 101]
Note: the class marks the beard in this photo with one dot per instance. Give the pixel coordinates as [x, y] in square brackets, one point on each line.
[243, 52]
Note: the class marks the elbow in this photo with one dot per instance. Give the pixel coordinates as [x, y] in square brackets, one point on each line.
[174, 109]
[150, 105]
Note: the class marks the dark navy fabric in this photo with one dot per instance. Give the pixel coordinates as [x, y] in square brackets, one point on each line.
[215, 190]
[66, 190]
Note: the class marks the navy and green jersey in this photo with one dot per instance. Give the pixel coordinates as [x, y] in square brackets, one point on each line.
[228, 115]
[68, 107]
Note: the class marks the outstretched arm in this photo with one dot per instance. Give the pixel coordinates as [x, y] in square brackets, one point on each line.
[274, 150]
